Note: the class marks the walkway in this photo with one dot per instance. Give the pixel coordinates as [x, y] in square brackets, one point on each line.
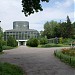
[37, 61]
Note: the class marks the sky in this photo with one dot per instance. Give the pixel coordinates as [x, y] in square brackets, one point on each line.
[11, 10]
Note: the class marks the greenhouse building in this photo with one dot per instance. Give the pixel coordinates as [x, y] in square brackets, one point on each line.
[21, 32]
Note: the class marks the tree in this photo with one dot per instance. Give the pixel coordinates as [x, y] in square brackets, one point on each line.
[57, 31]
[1, 35]
[43, 41]
[31, 6]
[74, 24]
[41, 34]
[74, 27]
[11, 41]
[67, 29]
[49, 29]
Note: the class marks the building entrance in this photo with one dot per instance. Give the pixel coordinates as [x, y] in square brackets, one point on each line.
[21, 42]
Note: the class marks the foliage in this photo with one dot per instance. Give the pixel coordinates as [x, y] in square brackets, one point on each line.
[42, 34]
[9, 69]
[43, 41]
[54, 45]
[7, 47]
[49, 29]
[60, 40]
[4, 43]
[31, 6]
[67, 29]
[57, 30]
[68, 41]
[1, 33]
[54, 29]
[11, 41]
[33, 42]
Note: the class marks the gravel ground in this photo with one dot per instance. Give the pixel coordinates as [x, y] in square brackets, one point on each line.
[37, 61]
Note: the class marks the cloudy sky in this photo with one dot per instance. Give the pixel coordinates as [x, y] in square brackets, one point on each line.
[10, 10]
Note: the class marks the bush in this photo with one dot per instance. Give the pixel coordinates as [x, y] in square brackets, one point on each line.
[33, 42]
[43, 41]
[7, 47]
[53, 45]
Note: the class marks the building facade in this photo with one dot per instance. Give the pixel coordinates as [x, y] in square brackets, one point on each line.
[21, 32]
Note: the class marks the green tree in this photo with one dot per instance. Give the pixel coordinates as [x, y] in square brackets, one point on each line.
[57, 31]
[70, 30]
[31, 6]
[11, 41]
[41, 34]
[49, 29]
[43, 41]
[1, 35]
[73, 24]
[67, 29]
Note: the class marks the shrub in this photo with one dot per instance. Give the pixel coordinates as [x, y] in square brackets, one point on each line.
[7, 47]
[54, 45]
[33, 42]
[43, 41]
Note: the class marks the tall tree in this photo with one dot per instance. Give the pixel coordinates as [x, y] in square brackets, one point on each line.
[67, 28]
[31, 6]
[57, 31]
[74, 27]
[1, 35]
[11, 41]
[70, 29]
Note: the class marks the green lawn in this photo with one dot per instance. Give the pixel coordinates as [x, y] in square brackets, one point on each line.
[8, 69]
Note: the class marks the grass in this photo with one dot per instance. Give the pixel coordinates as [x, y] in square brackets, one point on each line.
[52, 45]
[8, 69]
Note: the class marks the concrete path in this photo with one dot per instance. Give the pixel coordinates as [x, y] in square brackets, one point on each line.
[37, 61]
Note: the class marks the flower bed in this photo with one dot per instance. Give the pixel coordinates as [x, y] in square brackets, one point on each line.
[66, 56]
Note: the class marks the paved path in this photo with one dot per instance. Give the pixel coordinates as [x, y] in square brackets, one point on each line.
[37, 61]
